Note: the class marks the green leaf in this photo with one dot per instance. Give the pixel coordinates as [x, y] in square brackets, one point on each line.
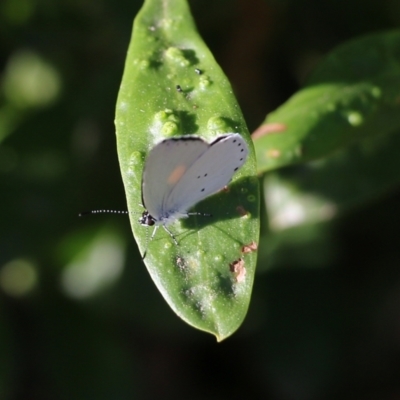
[352, 95]
[324, 188]
[195, 277]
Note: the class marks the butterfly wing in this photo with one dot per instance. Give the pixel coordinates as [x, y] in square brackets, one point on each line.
[209, 173]
[165, 165]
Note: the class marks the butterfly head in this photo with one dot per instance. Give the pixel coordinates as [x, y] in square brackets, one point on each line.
[146, 219]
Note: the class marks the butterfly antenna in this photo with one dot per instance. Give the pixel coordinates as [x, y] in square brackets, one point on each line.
[198, 213]
[84, 213]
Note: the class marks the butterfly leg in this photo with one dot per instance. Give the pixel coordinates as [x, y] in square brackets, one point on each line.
[148, 241]
[170, 234]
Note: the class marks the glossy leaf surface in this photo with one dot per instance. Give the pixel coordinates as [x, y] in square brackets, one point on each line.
[171, 87]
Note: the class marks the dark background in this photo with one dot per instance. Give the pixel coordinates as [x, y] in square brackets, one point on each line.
[324, 329]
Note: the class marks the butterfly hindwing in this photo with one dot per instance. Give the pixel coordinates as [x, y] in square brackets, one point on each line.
[209, 173]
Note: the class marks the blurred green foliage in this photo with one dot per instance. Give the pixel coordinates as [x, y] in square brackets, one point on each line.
[323, 321]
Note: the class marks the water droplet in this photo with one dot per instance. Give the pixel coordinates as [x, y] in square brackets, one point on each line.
[166, 115]
[198, 71]
[177, 56]
[170, 128]
[167, 23]
[218, 257]
[161, 116]
[123, 106]
[166, 123]
[135, 158]
[200, 253]
[217, 125]
[144, 64]
[251, 198]
[355, 118]
[204, 82]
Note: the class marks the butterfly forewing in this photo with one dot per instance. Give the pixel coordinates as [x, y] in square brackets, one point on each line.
[209, 173]
[165, 166]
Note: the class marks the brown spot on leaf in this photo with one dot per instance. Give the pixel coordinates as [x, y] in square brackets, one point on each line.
[238, 270]
[242, 211]
[268, 129]
[249, 248]
[273, 153]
